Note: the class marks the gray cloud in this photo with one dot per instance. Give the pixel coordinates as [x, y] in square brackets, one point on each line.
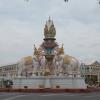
[77, 24]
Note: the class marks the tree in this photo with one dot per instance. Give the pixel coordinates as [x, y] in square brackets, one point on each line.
[91, 80]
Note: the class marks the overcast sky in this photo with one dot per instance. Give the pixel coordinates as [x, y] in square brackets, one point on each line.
[22, 23]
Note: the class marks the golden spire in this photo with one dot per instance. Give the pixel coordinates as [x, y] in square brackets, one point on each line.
[35, 50]
[49, 18]
[61, 51]
[49, 30]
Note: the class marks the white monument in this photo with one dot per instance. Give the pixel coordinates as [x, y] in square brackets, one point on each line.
[52, 68]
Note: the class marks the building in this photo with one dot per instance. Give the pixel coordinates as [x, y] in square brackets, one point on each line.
[91, 73]
[9, 71]
[22, 68]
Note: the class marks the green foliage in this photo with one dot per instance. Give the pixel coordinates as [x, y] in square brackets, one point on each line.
[91, 80]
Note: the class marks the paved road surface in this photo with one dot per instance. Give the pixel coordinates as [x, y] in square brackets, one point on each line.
[49, 96]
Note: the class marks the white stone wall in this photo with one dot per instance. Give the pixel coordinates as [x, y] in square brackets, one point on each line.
[29, 82]
[50, 82]
[68, 82]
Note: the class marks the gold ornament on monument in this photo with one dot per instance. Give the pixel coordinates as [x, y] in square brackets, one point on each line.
[49, 30]
[36, 51]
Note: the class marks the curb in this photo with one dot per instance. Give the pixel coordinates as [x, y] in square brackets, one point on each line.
[50, 90]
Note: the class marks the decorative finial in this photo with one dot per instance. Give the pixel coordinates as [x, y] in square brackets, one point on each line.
[49, 30]
[49, 18]
[34, 47]
[36, 51]
[61, 50]
[62, 46]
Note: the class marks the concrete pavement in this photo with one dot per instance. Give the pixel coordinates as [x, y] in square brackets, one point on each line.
[49, 96]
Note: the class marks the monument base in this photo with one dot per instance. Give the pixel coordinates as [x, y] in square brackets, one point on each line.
[49, 82]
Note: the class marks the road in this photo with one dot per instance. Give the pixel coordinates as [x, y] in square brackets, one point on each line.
[49, 96]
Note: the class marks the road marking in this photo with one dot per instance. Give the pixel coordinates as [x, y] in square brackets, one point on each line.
[91, 96]
[18, 96]
[14, 97]
[6, 94]
[48, 94]
[61, 94]
[73, 94]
